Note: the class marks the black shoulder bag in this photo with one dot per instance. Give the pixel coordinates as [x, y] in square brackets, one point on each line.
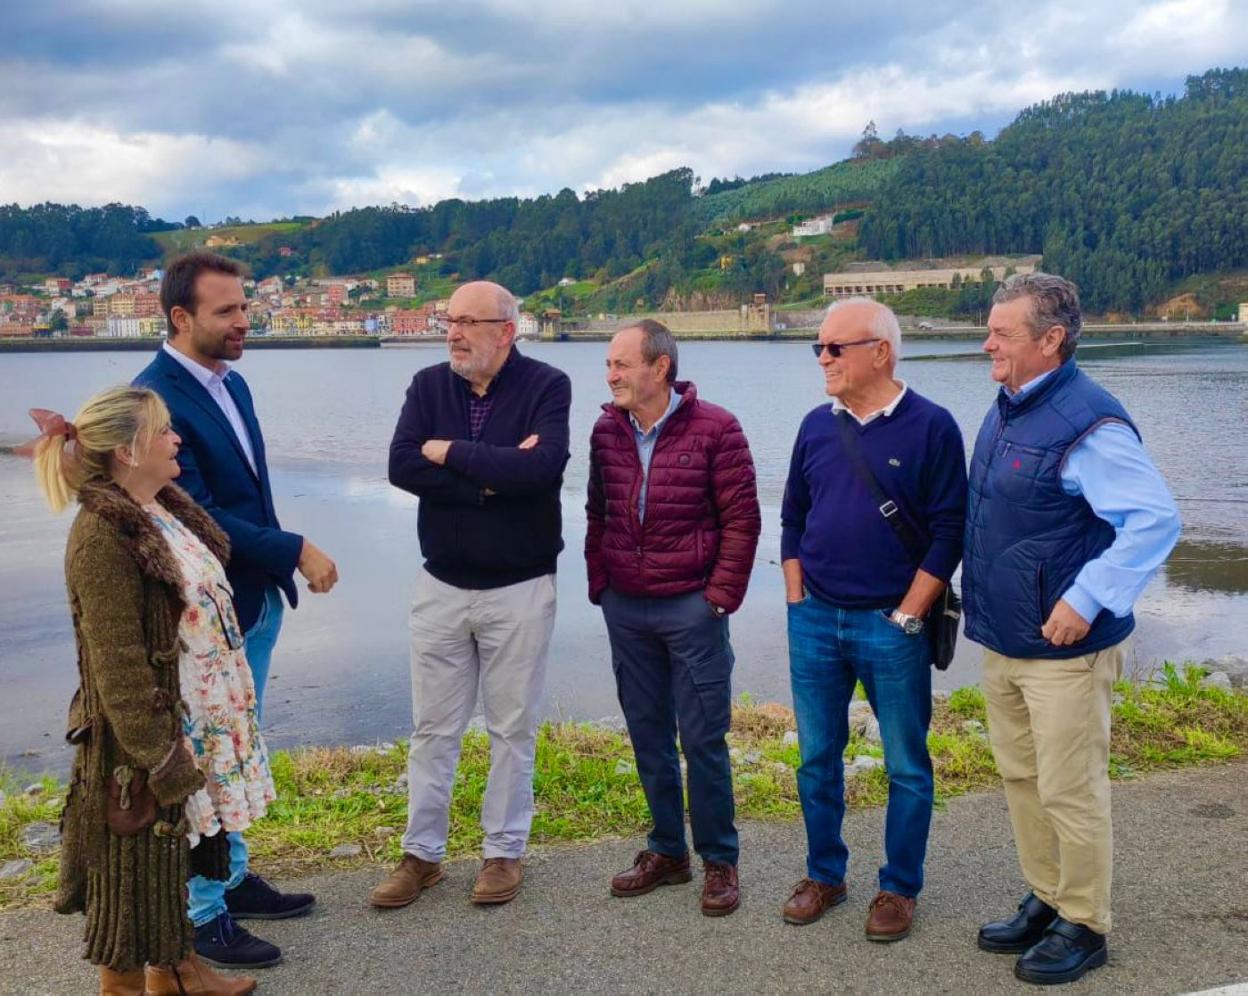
[946, 613]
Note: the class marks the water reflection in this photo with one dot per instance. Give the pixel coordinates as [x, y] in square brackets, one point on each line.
[1197, 565]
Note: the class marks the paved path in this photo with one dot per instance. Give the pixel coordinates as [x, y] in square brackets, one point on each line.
[1181, 906]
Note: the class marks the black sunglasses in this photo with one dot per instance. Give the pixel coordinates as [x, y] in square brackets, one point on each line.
[836, 348]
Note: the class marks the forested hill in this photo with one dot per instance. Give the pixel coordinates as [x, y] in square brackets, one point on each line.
[1122, 192]
[524, 244]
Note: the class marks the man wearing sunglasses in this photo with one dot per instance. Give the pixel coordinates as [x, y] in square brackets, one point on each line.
[482, 440]
[857, 596]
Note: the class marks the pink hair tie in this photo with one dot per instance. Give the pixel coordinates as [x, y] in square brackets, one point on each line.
[51, 424]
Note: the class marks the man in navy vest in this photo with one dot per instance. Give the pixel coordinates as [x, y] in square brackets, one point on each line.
[223, 468]
[1067, 521]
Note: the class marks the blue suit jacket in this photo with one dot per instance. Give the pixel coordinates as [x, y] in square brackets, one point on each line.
[215, 472]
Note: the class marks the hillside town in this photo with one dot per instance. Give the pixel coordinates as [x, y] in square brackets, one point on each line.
[104, 306]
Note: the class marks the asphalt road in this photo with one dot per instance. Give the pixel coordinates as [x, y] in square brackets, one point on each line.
[1180, 905]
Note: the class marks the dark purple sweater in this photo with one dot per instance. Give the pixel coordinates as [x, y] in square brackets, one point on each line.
[850, 554]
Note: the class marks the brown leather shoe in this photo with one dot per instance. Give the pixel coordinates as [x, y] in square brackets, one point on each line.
[498, 881]
[193, 977]
[649, 871]
[405, 883]
[720, 892]
[810, 900]
[114, 983]
[889, 917]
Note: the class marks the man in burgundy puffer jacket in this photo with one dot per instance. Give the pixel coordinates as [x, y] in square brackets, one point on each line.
[673, 522]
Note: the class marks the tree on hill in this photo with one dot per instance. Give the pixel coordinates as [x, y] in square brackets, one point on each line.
[1122, 192]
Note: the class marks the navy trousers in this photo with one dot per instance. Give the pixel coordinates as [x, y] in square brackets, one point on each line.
[673, 670]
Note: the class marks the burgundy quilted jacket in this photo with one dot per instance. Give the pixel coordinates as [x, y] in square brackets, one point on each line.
[702, 519]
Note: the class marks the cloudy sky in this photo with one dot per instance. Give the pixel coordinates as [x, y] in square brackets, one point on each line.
[262, 108]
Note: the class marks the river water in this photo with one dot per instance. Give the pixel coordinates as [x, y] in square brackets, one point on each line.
[340, 673]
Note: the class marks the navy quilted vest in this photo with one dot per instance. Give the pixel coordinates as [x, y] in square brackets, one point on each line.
[1026, 539]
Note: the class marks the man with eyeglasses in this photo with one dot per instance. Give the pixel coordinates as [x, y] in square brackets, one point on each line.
[857, 597]
[1068, 521]
[482, 440]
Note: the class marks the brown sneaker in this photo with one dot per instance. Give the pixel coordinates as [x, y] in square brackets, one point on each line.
[193, 977]
[405, 883]
[720, 892]
[810, 900]
[889, 917]
[498, 881]
[649, 871]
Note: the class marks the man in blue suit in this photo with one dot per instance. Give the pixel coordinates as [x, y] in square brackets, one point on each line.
[223, 468]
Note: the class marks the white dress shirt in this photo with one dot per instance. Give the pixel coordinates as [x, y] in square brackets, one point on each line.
[213, 382]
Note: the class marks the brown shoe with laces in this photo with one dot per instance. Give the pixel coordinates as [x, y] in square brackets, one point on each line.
[720, 892]
[649, 871]
[406, 882]
[810, 900]
[498, 881]
[889, 917]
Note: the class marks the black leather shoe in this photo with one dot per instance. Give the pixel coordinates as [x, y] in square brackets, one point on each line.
[223, 943]
[254, 899]
[1066, 953]
[1016, 934]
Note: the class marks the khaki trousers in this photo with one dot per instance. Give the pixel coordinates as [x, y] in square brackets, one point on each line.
[494, 641]
[1048, 722]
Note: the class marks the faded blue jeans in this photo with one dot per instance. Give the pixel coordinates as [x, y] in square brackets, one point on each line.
[830, 649]
[206, 895]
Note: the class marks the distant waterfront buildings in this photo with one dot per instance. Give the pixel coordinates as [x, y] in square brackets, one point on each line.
[400, 285]
[886, 281]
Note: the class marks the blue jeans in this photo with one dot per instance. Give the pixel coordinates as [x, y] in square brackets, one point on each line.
[829, 650]
[673, 669]
[206, 895]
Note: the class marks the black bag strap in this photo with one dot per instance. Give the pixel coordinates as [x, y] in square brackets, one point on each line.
[888, 508]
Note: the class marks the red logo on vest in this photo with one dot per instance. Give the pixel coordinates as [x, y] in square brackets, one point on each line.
[1018, 464]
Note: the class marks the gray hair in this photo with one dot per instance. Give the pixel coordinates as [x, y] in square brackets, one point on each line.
[508, 306]
[1054, 301]
[656, 340]
[883, 324]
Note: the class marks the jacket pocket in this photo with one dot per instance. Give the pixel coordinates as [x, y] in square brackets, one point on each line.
[1040, 599]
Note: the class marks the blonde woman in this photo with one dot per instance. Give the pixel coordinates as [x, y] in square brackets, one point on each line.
[168, 753]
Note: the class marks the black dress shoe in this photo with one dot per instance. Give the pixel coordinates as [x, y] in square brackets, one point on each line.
[223, 943]
[254, 899]
[1066, 953]
[1016, 934]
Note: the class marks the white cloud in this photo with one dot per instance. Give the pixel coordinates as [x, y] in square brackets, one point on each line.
[74, 161]
[1207, 30]
[413, 101]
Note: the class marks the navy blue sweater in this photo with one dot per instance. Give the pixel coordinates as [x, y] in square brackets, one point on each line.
[471, 538]
[850, 555]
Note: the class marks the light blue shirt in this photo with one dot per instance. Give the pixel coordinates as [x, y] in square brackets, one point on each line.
[645, 447]
[213, 382]
[1110, 468]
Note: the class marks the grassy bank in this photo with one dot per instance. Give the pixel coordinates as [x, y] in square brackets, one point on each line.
[587, 789]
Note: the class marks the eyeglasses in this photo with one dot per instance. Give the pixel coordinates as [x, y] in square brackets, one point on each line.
[445, 321]
[836, 348]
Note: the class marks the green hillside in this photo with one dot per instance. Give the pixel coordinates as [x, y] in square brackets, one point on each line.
[848, 182]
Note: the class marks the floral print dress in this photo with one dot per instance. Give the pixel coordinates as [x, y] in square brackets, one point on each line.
[218, 690]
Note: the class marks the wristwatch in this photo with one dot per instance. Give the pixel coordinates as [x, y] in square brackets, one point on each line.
[719, 610]
[910, 625]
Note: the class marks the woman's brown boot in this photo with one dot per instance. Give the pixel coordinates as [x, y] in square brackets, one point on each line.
[127, 983]
[193, 977]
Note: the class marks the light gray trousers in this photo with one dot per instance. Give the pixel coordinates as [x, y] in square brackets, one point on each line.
[495, 639]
